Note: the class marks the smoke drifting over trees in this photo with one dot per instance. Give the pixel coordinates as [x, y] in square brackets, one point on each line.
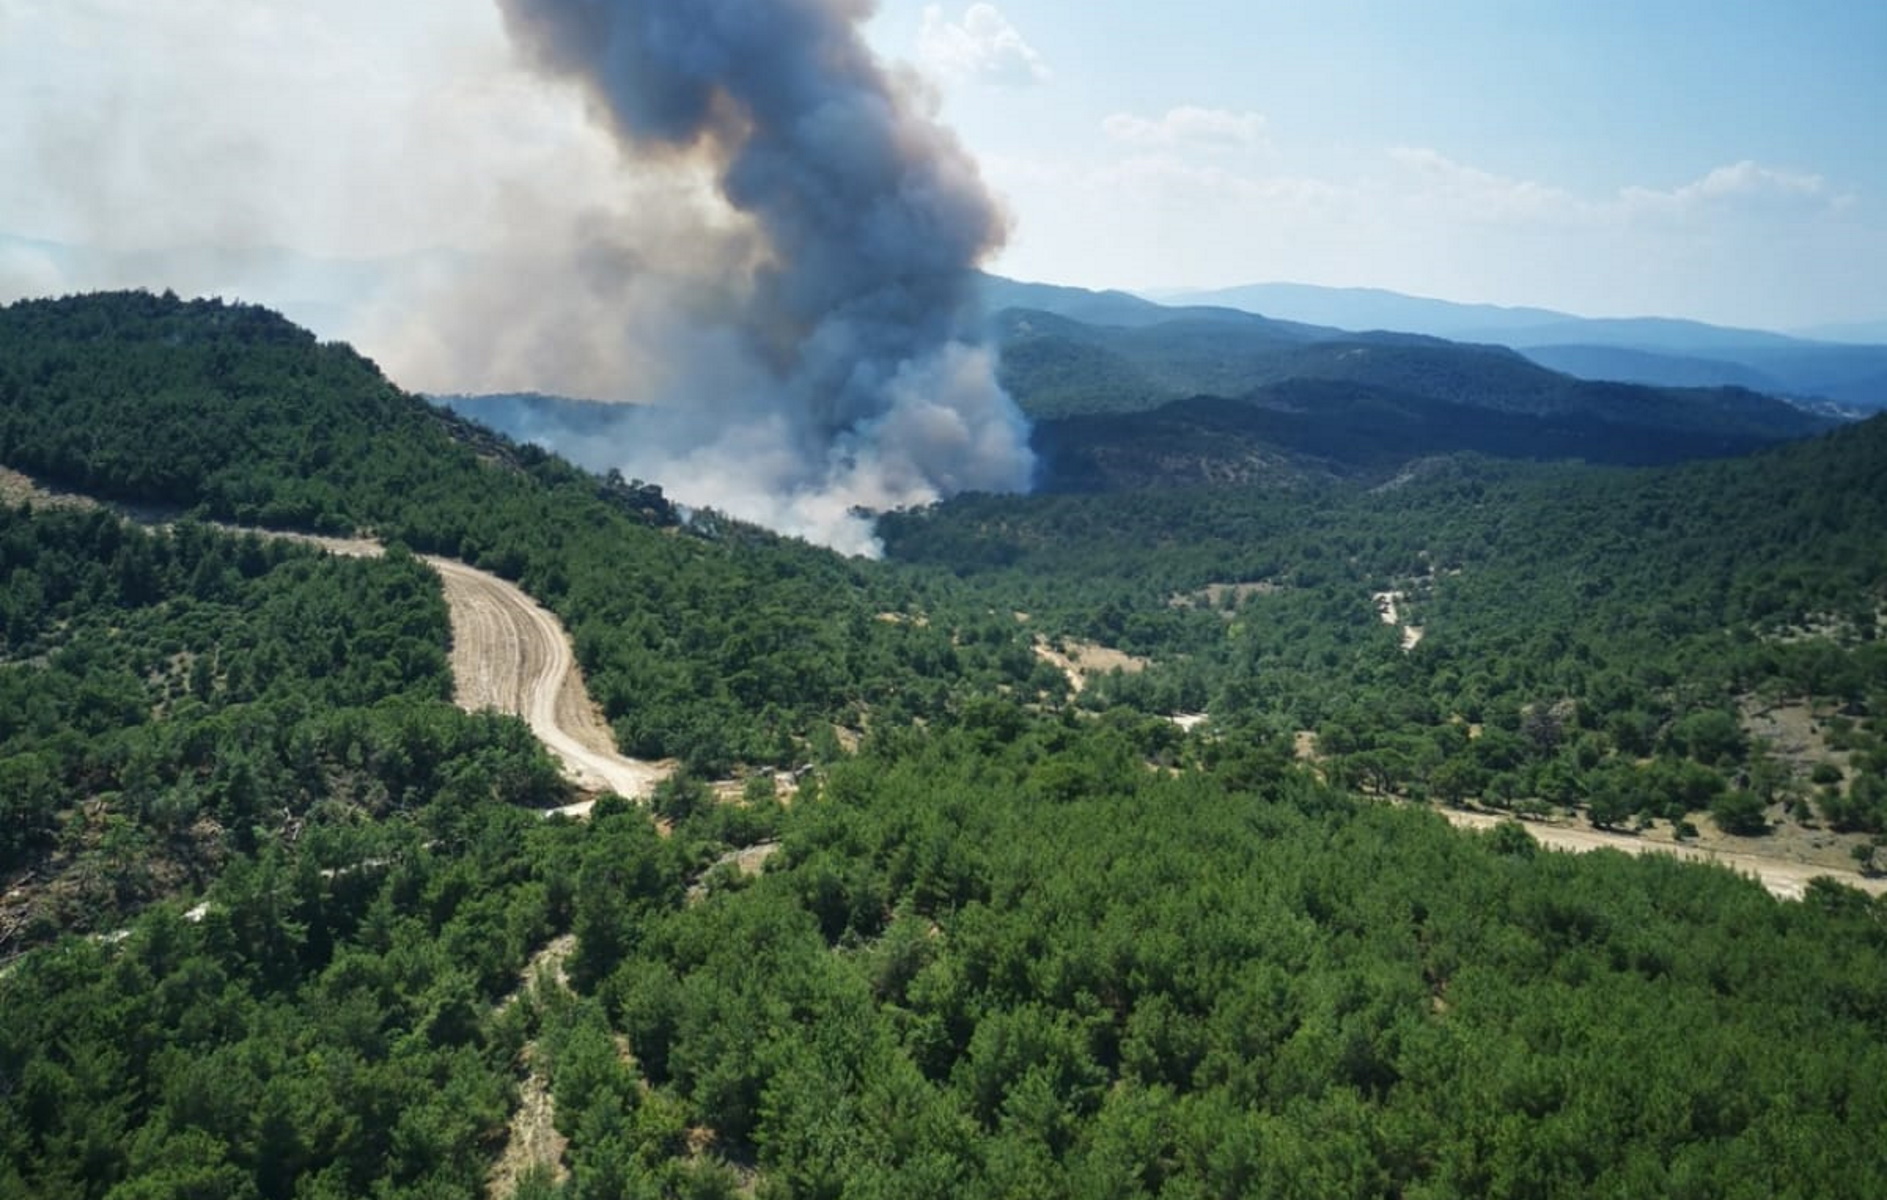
[756, 231]
[815, 349]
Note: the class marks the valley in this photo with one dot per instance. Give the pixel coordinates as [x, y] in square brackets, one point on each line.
[511, 656]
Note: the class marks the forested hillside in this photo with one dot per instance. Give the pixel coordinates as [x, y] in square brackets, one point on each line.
[994, 963]
[720, 644]
[246, 721]
[1588, 636]
[175, 698]
[272, 903]
[1060, 367]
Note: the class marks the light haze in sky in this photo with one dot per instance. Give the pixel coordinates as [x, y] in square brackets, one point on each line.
[347, 159]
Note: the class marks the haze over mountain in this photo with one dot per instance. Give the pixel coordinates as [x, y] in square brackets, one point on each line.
[1654, 350]
[1128, 393]
[1866, 333]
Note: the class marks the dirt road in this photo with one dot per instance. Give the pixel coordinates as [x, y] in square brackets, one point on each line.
[511, 655]
[1784, 879]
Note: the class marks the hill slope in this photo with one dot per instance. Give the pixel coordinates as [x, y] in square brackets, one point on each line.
[1323, 400]
[231, 412]
[1643, 606]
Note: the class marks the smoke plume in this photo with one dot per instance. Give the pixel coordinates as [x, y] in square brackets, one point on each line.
[808, 330]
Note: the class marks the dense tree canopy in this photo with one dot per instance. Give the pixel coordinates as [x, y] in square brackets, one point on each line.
[270, 900]
[1586, 633]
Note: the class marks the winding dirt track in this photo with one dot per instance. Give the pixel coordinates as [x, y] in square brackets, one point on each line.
[1784, 879]
[511, 655]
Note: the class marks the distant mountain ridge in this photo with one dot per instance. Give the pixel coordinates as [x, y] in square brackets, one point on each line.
[1844, 365]
[1126, 392]
[994, 294]
[1651, 350]
[1058, 366]
[1141, 395]
[1365, 308]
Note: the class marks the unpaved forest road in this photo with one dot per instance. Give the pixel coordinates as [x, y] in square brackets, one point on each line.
[1784, 879]
[511, 655]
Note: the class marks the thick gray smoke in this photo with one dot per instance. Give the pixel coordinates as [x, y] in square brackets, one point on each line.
[830, 360]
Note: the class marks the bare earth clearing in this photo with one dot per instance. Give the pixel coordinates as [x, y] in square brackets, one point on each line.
[532, 1141]
[1078, 660]
[16, 488]
[1388, 607]
[1794, 733]
[1223, 598]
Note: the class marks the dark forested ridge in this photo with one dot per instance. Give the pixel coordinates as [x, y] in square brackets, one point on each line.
[1317, 427]
[1025, 940]
[1650, 350]
[1214, 396]
[1058, 366]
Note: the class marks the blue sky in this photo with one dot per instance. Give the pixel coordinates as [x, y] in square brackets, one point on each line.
[1713, 160]
[1716, 161]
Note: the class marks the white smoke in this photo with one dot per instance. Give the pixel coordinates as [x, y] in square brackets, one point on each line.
[812, 336]
[757, 228]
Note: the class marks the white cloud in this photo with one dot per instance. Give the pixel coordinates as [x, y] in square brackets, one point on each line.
[1744, 243]
[1171, 180]
[1745, 187]
[1483, 195]
[1743, 184]
[983, 46]
[1188, 125]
